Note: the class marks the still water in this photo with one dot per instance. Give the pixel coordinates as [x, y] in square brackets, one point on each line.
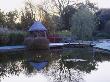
[55, 65]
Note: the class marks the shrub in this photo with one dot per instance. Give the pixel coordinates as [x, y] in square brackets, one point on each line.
[16, 37]
[102, 35]
[107, 27]
[4, 39]
[36, 43]
[11, 37]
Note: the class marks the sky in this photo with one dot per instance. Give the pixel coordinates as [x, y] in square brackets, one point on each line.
[9, 5]
[103, 3]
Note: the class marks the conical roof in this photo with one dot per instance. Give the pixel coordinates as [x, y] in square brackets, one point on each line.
[37, 26]
[39, 65]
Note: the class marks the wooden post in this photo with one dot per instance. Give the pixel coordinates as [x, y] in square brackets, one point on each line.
[45, 34]
[37, 34]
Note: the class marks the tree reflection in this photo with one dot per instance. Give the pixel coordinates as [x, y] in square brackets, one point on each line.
[61, 73]
[9, 65]
[9, 68]
[58, 68]
[70, 71]
[16, 63]
[86, 54]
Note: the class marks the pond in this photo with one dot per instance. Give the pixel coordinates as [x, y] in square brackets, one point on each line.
[55, 65]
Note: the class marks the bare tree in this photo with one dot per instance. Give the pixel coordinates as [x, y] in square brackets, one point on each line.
[28, 15]
[60, 6]
[48, 20]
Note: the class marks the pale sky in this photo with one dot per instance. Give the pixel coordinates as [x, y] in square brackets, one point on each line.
[8, 5]
[103, 3]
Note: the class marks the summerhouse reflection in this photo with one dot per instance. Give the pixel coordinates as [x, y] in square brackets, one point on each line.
[53, 64]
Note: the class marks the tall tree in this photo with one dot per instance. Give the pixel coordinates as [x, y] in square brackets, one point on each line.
[83, 22]
[104, 17]
[60, 6]
[50, 21]
[54, 11]
[2, 19]
[11, 18]
[67, 14]
[27, 15]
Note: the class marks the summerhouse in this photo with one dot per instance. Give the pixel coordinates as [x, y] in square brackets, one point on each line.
[38, 30]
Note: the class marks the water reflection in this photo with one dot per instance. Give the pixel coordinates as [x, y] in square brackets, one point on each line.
[101, 75]
[52, 64]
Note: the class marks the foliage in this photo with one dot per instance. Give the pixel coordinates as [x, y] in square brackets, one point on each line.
[27, 15]
[55, 14]
[36, 43]
[83, 23]
[54, 11]
[61, 6]
[16, 37]
[11, 37]
[50, 21]
[2, 19]
[102, 35]
[11, 18]
[26, 20]
[68, 11]
[104, 17]
[64, 32]
[80, 53]
[107, 27]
